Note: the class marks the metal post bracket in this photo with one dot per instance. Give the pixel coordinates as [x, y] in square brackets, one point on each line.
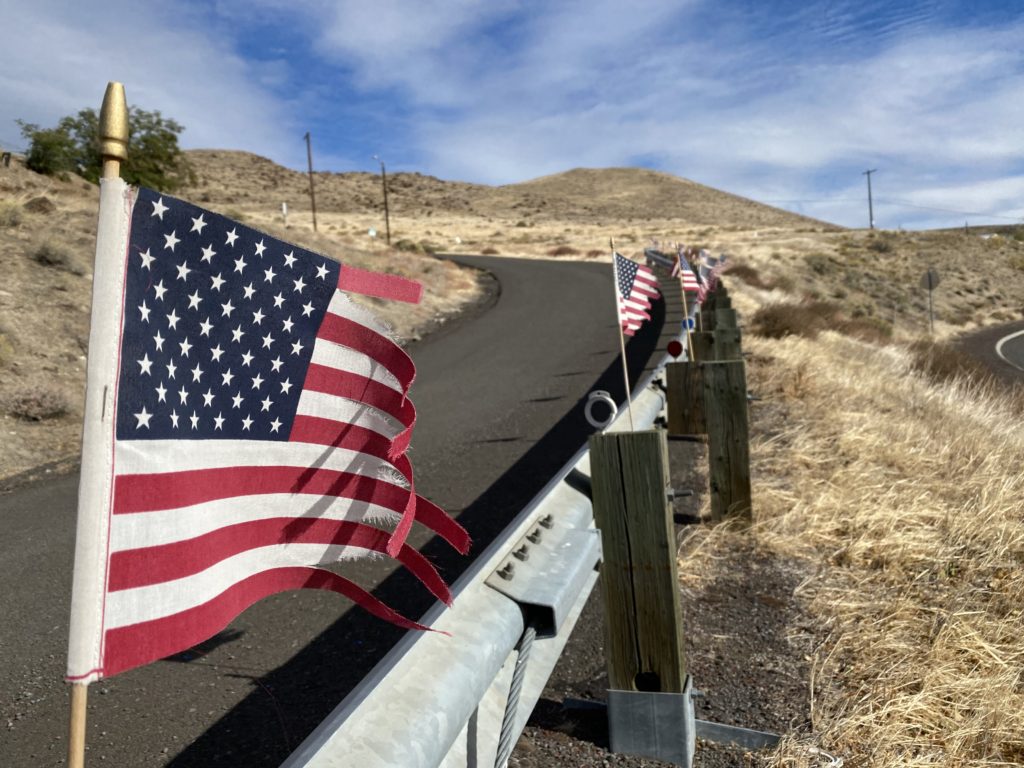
[547, 570]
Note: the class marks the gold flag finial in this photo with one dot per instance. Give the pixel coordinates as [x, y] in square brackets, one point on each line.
[113, 130]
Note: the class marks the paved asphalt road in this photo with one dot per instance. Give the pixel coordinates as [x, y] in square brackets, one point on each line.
[1012, 348]
[499, 394]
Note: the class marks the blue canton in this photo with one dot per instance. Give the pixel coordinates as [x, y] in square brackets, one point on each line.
[219, 326]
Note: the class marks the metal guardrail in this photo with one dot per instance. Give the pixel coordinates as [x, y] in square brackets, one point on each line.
[438, 698]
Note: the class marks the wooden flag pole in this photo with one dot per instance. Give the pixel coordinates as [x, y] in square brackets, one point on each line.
[622, 338]
[114, 150]
[686, 314]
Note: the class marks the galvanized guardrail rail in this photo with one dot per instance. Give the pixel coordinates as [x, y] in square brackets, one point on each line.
[439, 698]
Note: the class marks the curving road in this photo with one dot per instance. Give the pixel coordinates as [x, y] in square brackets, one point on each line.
[499, 394]
[1011, 349]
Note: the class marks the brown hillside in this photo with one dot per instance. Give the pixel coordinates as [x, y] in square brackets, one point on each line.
[584, 195]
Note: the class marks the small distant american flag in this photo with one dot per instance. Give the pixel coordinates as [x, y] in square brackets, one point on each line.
[685, 274]
[261, 426]
[636, 285]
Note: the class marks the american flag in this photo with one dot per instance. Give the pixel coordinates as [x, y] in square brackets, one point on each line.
[686, 276]
[261, 426]
[636, 286]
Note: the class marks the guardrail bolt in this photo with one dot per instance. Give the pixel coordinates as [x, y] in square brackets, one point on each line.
[534, 536]
[523, 553]
[681, 493]
[547, 521]
[507, 572]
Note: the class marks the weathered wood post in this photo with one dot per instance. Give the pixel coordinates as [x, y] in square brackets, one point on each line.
[703, 345]
[725, 344]
[639, 580]
[725, 317]
[685, 394]
[725, 411]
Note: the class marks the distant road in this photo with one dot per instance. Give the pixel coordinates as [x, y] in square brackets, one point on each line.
[1001, 348]
[499, 395]
[1011, 349]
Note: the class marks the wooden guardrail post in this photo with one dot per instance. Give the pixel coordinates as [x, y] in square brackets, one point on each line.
[725, 343]
[703, 345]
[725, 411]
[685, 394]
[725, 318]
[641, 592]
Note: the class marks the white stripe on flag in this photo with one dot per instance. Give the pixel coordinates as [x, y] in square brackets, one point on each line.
[348, 411]
[155, 601]
[151, 529]
[135, 456]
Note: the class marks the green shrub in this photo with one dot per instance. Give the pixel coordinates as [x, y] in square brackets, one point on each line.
[73, 146]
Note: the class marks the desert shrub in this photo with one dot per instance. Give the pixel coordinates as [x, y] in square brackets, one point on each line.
[6, 346]
[41, 204]
[820, 263]
[749, 275]
[36, 404]
[57, 256]
[595, 254]
[489, 251]
[880, 245]
[1017, 262]
[407, 246]
[805, 318]
[942, 361]
[428, 247]
[563, 250]
[872, 329]
[10, 215]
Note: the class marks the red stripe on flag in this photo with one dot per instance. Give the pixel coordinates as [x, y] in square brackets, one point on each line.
[377, 347]
[142, 567]
[331, 381]
[382, 286]
[171, 490]
[339, 434]
[138, 644]
[313, 429]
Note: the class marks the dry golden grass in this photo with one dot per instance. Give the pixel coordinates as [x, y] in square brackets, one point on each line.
[908, 498]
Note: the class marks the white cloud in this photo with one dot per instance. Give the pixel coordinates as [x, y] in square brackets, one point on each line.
[763, 101]
[68, 51]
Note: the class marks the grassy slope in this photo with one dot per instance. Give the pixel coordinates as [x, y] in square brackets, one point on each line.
[902, 495]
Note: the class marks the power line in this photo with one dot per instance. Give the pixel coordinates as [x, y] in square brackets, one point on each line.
[905, 204]
[900, 203]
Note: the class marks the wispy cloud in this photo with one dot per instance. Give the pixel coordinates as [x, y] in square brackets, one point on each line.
[787, 101]
[168, 61]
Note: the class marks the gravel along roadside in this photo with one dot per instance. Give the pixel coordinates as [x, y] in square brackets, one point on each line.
[747, 643]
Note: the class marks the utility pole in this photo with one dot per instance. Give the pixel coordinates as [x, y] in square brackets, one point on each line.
[384, 184]
[871, 210]
[312, 194]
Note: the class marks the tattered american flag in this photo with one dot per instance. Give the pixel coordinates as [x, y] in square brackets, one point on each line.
[636, 285]
[260, 423]
[687, 278]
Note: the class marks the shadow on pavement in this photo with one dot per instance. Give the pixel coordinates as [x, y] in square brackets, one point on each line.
[294, 698]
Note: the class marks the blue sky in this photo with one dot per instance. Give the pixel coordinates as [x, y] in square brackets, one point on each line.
[785, 102]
